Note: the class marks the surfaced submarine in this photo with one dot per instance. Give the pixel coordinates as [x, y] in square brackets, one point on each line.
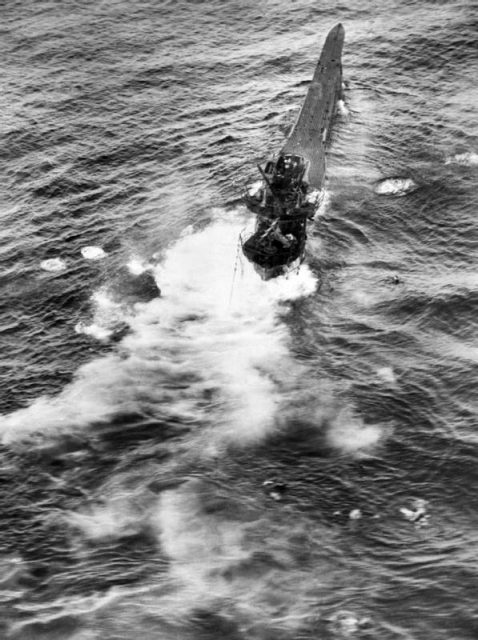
[291, 185]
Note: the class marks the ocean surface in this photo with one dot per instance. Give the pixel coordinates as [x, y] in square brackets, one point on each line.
[236, 459]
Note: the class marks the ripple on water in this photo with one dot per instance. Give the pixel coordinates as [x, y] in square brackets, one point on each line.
[133, 496]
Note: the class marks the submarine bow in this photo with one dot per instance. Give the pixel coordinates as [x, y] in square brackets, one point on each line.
[312, 130]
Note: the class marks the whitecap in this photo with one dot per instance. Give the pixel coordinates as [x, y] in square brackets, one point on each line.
[53, 264]
[395, 186]
[467, 159]
[93, 253]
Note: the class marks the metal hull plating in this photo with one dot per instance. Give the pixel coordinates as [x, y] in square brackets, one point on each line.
[312, 130]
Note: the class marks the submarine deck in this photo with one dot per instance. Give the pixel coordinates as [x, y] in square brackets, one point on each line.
[310, 133]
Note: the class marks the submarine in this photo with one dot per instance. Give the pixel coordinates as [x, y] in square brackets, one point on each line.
[290, 188]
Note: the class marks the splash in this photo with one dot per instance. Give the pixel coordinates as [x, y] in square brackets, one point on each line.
[210, 352]
[323, 204]
[342, 109]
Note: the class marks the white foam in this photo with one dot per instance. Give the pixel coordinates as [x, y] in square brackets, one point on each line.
[89, 398]
[53, 264]
[323, 204]
[342, 108]
[116, 517]
[447, 345]
[187, 231]
[202, 542]
[12, 570]
[467, 159]
[240, 342]
[212, 558]
[136, 266]
[348, 433]
[387, 374]
[417, 513]
[347, 624]
[199, 546]
[395, 186]
[93, 253]
[108, 316]
[102, 334]
[224, 336]
[363, 297]
[255, 188]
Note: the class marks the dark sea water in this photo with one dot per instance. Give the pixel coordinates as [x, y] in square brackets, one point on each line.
[136, 435]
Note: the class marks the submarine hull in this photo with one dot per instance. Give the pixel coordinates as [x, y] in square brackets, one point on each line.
[290, 190]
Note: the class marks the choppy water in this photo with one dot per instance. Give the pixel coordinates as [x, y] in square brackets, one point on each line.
[137, 436]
